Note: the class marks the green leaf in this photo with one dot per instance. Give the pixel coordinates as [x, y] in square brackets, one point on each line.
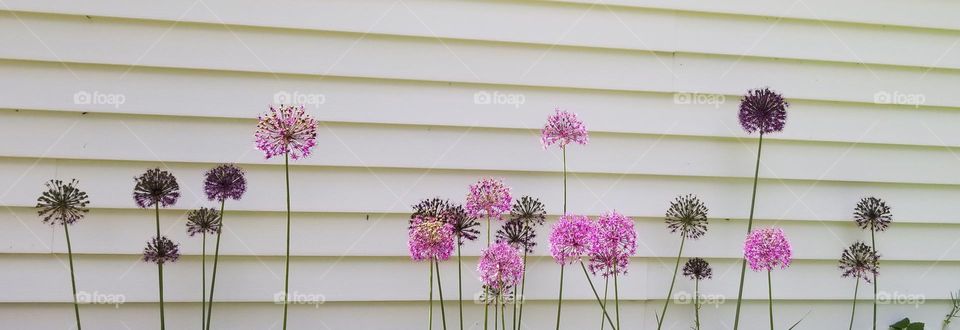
[902, 324]
[915, 326]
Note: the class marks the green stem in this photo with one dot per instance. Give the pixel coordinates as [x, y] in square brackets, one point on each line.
[560, 296]
[616, 294]
[216, 258]
[514, 319]
[564, 149]
[203, 281]
[160, 269]
[696, 302]
[596, 295]
[854, 309]
[753, 202]
[523, 286]
[486, 291]
[73, 280]
[460, 284]
[673, 280]
[496, 311]
[503, 304]
[443, 313]
[286, 272]
[430, 313]
[770, 297]
[606, 287]
[873, 245]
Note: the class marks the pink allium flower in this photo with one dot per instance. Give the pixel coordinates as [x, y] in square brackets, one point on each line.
[563, 128]
[430, 239]
[488, 198]
[500, 266]
[286, 129]
[570, 238]
[612, 243]
[767, 248]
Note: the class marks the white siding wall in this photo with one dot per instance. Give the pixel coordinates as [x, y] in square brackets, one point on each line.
[400, 124]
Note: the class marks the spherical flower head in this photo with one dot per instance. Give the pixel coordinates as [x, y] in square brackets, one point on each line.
[224, 181]
[518, 234]
[688, 215]
[205, 220]
[528, 210]
[161, 250]
[563, 128]
[464, 226]
[488, 198]
[156, 187]
[570, 238]
[763, 110]
[612, 244]
[697, 269]
[62, 203]
[286, 130]
[430, 239]
[872, 213]
[860, 261]
[767, 248]
[430, 209]
[500, 266]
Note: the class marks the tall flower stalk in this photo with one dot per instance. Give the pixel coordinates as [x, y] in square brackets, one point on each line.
[432, 240]
[766, 249]
[488, 198]
[465, 229]
[64, 204]
[158, 188]
[763, 111]
[563, 128]
[860, 262]
[203, 221]
[688, 216]
[526, 214]
[611, 246]
[500, 269]
[221, 183]
[697, 270]
[570, 241]
[288, 131]
[873, 214]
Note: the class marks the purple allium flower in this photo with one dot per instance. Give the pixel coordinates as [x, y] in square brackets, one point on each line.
[488, 198]
[872, 213]
[430, 209]
[563, 128]
[224, 181]
[528, 210]
[763, 110]
[518, 234]
[161, 250]
[697, 269]
[688, 215]
[612, 244]
[286, 129]
[205, 220]
[570, 238]
[860, 261]
[430, 239]
[156, 187]
[464, 226]
[500, 266]
[767, 248]
[62, 203]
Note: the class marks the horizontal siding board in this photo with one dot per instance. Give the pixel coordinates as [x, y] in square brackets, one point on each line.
[254, 50]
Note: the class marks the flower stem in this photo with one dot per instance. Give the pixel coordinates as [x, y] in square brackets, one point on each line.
[564, 149]
[496, 311]
[503, 304]
[596, 295]
[216, 258]
[696, 302]
[770, 297]
[616, 294]
[606, 287]
[430, 313]
[443, 313]
[854, 309]
[286, 272]
[873, 245]
[514, 319]
[203, 280]
[160, 268]
[460, 284]
[486, 291]
[73, 280]
[753, 202]
[523, 286]
[673, 281]
[560, 296]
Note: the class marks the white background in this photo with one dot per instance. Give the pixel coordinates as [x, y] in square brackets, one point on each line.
[178, 84]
